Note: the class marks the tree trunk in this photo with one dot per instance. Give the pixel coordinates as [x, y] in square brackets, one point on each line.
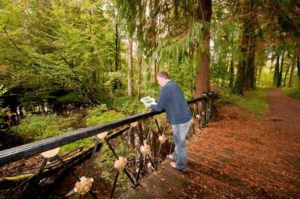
[117, 48]
[250, 72]
[292, 70]
[286, 74]
[231, 71]
[202, 76]
[246, 69]
[246, 72]
[153, 71]
[298, 66]
[239, 86]
[139, 78]
[279, 78]
[129, 86]
[276, 70]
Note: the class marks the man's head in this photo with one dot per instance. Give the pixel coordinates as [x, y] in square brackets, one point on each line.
[162, 78]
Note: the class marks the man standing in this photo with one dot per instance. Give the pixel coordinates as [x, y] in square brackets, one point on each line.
[171, 100]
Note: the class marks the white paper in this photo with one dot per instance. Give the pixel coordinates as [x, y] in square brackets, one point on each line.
[148, 100]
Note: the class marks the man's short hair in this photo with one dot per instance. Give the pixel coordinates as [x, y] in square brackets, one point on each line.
[163, 74]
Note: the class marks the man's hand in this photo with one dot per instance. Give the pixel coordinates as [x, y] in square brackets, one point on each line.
[147, 105]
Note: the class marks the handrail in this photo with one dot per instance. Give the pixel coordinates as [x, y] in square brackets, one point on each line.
[26, 150]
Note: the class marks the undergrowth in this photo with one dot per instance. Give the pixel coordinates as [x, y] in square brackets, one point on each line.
[253, 101]
[292, 92]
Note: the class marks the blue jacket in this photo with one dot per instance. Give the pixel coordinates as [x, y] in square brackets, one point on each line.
[171, 100]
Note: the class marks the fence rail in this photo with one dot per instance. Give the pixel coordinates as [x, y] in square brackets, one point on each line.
[201, 108]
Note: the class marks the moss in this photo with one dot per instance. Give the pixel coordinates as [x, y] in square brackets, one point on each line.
[17, 178]
[37, 127]
[98, 117]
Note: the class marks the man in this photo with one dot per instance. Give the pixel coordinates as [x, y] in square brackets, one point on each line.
[171, 100]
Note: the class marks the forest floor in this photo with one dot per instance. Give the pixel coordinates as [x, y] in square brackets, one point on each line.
[239, 155]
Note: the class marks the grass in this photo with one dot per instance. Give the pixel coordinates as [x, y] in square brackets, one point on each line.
[292, 92]
[253, 101]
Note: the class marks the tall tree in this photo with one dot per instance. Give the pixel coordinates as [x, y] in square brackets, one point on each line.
[167, 30]
[293, 69]
[139, 75]
[276, 71]
[202, 76]
[117, 44]
[246, 69]
[130, 70]
[279, 78]
[51, 50]
[298, 66]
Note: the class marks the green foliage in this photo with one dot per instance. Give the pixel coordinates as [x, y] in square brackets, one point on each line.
[3, 90]
[71, 97]
[37, 127]
[292, 92]
[100, 115]
[128, 105]
[265, 79]
[80, 144]
[253, 101]
[57, 45]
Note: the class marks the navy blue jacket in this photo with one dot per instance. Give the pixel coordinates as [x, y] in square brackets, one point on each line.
[171, 100]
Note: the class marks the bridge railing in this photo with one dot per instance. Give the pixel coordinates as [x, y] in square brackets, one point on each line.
[123, 152]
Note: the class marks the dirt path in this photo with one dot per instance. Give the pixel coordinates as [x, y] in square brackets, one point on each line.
[238, 156]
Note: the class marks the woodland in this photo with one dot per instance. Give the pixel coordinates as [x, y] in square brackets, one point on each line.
[68, 64]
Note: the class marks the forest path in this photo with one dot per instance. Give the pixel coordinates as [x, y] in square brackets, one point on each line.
[239, 155]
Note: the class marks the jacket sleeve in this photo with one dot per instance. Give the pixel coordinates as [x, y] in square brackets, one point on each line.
[160, 106]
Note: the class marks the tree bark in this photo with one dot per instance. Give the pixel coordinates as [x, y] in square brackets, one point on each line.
[153, 71]
[139, 78]
[239, 86]
[292, 70]
[231, 71]
[246, 69]
[117, 48]
[202, 76]
[129, 86]
[279, 78]
[286, 74]
[276, 70]
[298, 66]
